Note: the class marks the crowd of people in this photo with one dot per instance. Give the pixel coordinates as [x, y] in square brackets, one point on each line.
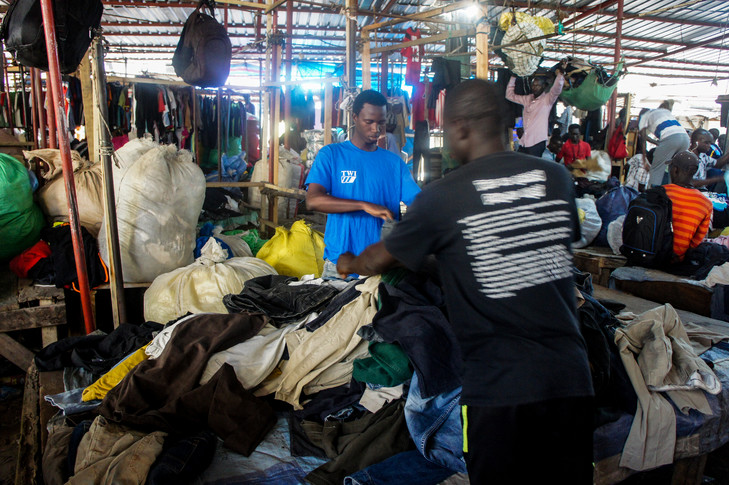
[500, 229]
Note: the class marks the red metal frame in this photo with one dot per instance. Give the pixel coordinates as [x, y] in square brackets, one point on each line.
[54, 83]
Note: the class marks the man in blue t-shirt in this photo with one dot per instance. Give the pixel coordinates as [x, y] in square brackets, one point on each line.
[358, 184]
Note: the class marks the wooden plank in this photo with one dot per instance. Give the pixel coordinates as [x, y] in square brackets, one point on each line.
[15, 352]
[639, 305]
[482, 46]
[684, 296]
[27, 292]
[27, 467]
[50, 383]
[420, 15]
[424, 40]
[49, 335]
[33, 317]
[87, 92]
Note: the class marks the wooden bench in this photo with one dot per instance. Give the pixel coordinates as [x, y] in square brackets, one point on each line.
[599, 262]
[24, 306]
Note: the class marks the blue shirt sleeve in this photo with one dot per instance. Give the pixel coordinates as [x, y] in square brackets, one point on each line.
[408, 188]
[321, 171]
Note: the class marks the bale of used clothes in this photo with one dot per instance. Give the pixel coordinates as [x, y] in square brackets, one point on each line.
[295, 252]
[127, 155]
[201, 286]
[611, 206]
[89, 197]
[290, 176]
[590, 222]
[20, 218]
[159, 201]
[523, 59]
[590, 92]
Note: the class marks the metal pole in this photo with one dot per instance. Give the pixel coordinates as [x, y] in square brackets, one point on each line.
[49, 26]
[116, 277]
[219, 120]
[34, 105]
[289, 70]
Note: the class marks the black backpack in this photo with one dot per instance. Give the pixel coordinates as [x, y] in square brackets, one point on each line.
[203, 54]
[22, 31]
[648, 231]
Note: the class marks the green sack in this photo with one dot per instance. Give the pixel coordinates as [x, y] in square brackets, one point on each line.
[20, 218]
[591, 94]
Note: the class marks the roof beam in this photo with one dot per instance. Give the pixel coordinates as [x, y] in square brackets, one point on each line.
[590, 11]
[592, 33]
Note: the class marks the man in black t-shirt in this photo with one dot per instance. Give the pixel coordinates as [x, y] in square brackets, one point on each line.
[501, 228]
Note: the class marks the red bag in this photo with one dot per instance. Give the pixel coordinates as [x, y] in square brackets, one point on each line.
[617, 148]
[23, 262]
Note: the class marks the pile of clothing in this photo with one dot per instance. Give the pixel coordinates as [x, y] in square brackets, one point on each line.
[346, 368]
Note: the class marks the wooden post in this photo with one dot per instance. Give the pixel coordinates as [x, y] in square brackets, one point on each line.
[482, 46]
[40, 102]
[219, 141]
[289, 69]
[328, 102]
[116, 278]
[383, 73]
[35, 113]
[87, 93]
[52, 121]
[366, 61]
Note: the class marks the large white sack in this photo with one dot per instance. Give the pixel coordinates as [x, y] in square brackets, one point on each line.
[49, 161]
[125, 157]
[89, 197]
[201, 286]
[159, 200]
[590, 226]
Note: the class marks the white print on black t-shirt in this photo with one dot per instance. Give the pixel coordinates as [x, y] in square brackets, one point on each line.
[534, 180]
[498, 263]
[349, 176]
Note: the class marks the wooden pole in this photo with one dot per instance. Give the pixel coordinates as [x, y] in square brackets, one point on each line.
[420, 15]
[219, 141]
[34, 108]
[328, 102]
[106, 150]
[87, 93]
[383, 73]
[366, 61]
[482, 45]
[52, 121]
[289, 70]
[54, 71]
[424, 40]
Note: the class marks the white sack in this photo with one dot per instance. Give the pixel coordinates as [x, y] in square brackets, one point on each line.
[615, 234]
[159, 200]
[201, 286]
[290, 168]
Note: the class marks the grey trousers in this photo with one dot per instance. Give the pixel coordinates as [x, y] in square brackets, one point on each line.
[666, 149]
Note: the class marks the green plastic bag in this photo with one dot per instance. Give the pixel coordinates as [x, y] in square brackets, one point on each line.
[20, 218]
[591, 94]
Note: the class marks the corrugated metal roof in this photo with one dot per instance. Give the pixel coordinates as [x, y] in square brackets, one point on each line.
[149, 30]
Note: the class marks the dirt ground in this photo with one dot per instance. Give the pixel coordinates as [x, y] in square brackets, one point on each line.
[10, 410]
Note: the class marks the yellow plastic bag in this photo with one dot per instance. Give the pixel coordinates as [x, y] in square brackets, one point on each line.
[542, 22]
[295, 252]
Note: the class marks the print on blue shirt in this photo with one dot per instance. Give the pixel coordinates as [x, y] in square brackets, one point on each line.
[347, 172]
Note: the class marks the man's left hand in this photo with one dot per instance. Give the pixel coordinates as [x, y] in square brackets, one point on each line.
[344, 264]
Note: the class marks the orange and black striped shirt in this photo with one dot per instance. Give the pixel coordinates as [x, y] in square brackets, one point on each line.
[691, 217]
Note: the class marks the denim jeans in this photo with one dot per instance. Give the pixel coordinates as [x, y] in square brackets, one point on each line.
[405, 467]
[435, 426]
[70, 402]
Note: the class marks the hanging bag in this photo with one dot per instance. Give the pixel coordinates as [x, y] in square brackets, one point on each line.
[22, 31]
[203, 54]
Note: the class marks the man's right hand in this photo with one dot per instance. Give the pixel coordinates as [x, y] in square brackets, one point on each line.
[378, 211]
